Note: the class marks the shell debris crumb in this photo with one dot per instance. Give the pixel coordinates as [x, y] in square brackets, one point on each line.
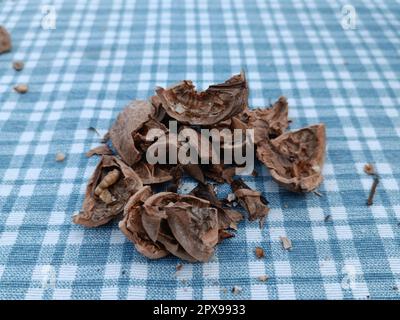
[286, 243]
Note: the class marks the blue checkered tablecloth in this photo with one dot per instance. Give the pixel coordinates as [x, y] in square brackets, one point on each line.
[103, 54]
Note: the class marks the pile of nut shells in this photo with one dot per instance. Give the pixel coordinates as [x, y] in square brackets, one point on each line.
[157, 218]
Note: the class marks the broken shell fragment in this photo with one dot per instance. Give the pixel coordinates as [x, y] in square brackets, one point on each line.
[227, 218]
[5, 40]
[132, 227]
[219, 102]
[185, 225]
[267, 123]
[100, 150]
[295, 159]
[135, 115]
[151, 173]
[251, 200]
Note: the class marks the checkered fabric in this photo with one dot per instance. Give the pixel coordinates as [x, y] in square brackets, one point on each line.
[103, 54]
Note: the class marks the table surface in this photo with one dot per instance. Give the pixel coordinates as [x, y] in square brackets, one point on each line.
[103, 54]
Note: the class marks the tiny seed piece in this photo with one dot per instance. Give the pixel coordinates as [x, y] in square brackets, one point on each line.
[60, 156]
[21, 88]
[18, 65]
[179, 266]
[259, 252]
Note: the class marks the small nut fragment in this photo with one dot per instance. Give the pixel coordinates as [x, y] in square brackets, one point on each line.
[60, 156]
[18, 65]
[21, 88]
[107, 197]
[259, 252]
[286, 243]
[263, 278]
[101, 190]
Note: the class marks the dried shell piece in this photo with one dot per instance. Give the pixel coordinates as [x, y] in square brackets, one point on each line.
[206, 192]
[100, 150]
[214, 172]
[141, 138]
[295, 159]
[267, 123]
[196, 229]
[168, 240]
[151, 174]
[128, 123]
[227, 218]
[132, 227]
[195, 171]
[219, 102]
[159, 113]
[223, 234]
[155, 209]
[98, 210]
[251, 200]
[219, 173]
[198, 142]
[186, 225]
[5, 40]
